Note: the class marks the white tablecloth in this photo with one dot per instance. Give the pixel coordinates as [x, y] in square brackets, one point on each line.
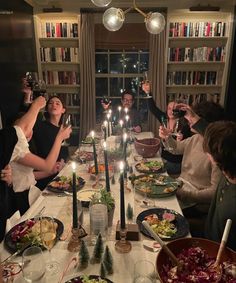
[60, 207]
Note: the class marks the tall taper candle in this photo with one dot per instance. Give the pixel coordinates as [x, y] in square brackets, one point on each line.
[122, 197]
[75, 212]
[106, 167]
[124, 154]
[94, 153]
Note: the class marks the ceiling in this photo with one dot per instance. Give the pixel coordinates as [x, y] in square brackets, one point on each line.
[75, 5]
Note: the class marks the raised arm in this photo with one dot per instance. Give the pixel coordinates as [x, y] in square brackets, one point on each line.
[48, 163]
[27, 121]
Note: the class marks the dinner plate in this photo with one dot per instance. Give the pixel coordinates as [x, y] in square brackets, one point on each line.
[150, 167]
[155, 185]
[84, 196]
[52, 188]
[11, 246]
[78, 279]
[180, 222]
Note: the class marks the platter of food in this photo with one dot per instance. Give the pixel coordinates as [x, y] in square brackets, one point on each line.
[150, 166]
[83, 156]
[101, 169]
[88, 279]
[155, 185]
[63, 184]
[167, 223]
[28, 232]
[89, 140]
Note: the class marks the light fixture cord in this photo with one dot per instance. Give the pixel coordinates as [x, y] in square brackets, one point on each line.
[134, 7]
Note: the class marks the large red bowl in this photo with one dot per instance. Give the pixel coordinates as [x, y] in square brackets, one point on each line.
[178, 245]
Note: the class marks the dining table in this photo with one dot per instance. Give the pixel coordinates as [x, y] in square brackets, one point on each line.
[59, 206]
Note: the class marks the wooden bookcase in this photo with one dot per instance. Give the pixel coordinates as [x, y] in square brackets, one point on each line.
[197, 55]
[57, 46]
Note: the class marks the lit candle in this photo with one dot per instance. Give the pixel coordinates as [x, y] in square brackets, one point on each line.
[108, 119]
[124, 153]
[94, 153]
[121, 122]
[126, 110]
[119, 110]
[126, 121]
[75, 212]
[122, 197]
[105, 123]
[106, 167]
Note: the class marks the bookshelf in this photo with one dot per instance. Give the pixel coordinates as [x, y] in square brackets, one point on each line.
[57, 46]
[197, 55]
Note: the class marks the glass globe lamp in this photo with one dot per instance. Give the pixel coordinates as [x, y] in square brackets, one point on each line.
[155, 22]
[113, 19]
[101, 3]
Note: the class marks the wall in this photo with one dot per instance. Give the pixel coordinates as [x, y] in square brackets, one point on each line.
[17, 53]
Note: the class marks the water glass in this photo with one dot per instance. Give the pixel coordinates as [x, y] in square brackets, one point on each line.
[98, 219]
[144, 272]
[33, 265]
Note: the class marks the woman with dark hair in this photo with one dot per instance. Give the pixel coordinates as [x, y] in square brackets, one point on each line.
[44, 134]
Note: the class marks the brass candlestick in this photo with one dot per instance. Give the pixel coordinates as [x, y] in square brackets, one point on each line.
[122, 245]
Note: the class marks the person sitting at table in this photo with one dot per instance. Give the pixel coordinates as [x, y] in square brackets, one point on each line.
[127, 101]
[179, 125]
[200, 177]
[49, 128]
[219, 139]
[26, 162]
[8, 152]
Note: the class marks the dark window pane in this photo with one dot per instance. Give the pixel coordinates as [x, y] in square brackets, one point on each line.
[132, 84]
[116, 86]
[143, 109]
[131, 63]
[101, 87]
[101, 64]
[144, 62]
[116, 64]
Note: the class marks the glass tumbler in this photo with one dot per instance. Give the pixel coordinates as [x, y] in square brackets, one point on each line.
[98, 219]
[144, 272]
[33, 264]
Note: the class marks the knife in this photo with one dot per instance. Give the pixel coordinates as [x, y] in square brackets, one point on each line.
[26, 245]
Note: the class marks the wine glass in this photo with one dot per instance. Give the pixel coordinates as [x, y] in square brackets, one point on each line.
[66, 121]
[144, 272]
[39, 88]
[48, 234]
[33, 265]
[164, 122]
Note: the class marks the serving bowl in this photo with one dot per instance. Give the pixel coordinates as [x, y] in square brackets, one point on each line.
[147, 148]
[177, 246]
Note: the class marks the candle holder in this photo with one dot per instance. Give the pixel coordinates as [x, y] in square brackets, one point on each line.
[77, 234]
[122, 245]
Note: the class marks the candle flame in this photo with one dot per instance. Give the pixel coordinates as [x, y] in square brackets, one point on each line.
[110, 111]
[92, 134]
[108, 116]
[104, 145]
[121, 166]
[121, 122]
[126, 110]
[73, 165]
[127, 117]
[119, 108]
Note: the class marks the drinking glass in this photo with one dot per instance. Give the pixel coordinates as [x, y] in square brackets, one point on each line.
[166, 145]
[33, 265]
[66, 121]
[98, 219]
[48, 234]
[144, 272]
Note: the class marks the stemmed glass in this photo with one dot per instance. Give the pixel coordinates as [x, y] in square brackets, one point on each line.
[48, 234]
[165, 143]
[66, 123]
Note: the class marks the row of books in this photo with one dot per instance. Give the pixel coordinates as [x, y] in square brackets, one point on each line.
[199, 54]
[192, 78]
[61, 77]
[72, 99]
[197, 29]
[193, 98]
[59, 29]
[59, 54]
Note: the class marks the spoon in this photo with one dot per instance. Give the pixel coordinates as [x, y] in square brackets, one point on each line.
[173, 258]
[216, 267]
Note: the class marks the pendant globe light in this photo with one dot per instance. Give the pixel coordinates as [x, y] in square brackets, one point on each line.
[113, 18]
[101, 3]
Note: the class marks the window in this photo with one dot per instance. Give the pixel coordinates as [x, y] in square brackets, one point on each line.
[117, 70]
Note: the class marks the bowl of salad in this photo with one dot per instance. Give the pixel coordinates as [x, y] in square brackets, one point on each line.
[195, 256]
